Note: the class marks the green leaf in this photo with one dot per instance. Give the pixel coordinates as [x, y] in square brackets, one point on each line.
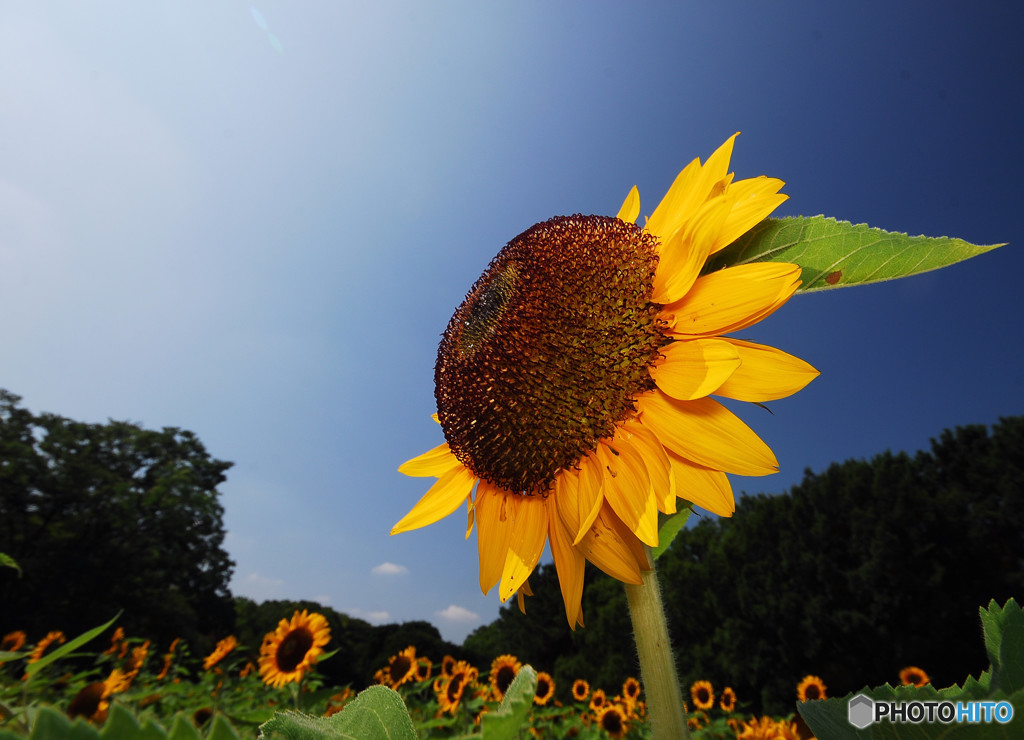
[1003, 628]
[221, 729]
[50, 723]
[668, 529]
[505, 722]
[68, 647]
[378, 713]
[183, 729]
[9, 562]
[835, 254]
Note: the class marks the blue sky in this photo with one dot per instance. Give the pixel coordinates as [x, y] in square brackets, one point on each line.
[254, 222]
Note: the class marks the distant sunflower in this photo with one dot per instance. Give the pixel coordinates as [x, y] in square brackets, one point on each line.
[168, 659]
[40, 648]
[504, 669]
[90, 702]
[598, 700]
[545, 690]
[727, 701]
[424, 668]
[137, 659]
[447, 663]
[703, 694]
[810, 688]
[612, 719]
[13, 641]
[220, 652]
[453, 687]
[914, 676]
[573, 384]
[402, 667]
[580, 690]
[115, 641]
[631, 689]
[293, 648]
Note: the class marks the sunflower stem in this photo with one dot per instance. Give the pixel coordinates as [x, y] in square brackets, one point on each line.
[657, 664]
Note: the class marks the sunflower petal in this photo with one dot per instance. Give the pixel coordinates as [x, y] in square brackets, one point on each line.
[630, 207]
[753, 201]
[695, 368]
[492, 533]
[679, 264]
[706, 432]
[646, 443]
[526, 542]
[732, 299]
[433, 464]
[605, 547]
[444, 497]
[569, 564]
[627, 489]
[581, 496]
[706, 488]
[765, 374]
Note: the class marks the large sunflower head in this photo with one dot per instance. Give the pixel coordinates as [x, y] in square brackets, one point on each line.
[293, 648]
[573, 384]
[810, 688]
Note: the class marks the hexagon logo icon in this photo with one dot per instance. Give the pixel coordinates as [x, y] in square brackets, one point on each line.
[860, 711]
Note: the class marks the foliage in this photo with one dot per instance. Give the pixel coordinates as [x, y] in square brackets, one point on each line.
[1003, 629]
[856, 572]
[123, 518]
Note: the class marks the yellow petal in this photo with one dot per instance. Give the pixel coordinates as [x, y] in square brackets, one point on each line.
[765, 374]
[706, 432]
[444, 497]
[646, 443]
[578, 496]
[753, 201]
[469, 516]
[695, 368]
[526, 542]
[732, 299]
[434, 463]
[630, 207]
[492, 533]
[569, 564]
[605, 547]
[706, 488]
[679, 264]
[627, 488]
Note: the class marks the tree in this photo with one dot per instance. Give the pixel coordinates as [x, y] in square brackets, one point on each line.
[109, 517]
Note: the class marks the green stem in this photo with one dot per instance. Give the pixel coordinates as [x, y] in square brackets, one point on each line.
[657, 664]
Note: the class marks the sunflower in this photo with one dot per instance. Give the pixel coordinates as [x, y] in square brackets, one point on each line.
[703, 694]
[913, 676]
[168, 659]
[453, 687]
[115, 641]
[580, 690]
[220, 652]
[40, 648]
[12, 642]
[545, 689]
[137, 659]
[424, 669]
[504, 669]
[447, 663]
[727, 701]
[401, 667]
[631, 690]
[598, 700]
[612, 719]
[293, 648]
[810, 688]
[573, 383]
[90, 702]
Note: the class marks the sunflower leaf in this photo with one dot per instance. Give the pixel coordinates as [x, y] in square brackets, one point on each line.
[9, 562]
[668, 529]
[377, 713]
[835, 254]
[68, 647]
[505, 722]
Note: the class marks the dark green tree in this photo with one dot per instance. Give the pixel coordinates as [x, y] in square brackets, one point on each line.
[110, 517]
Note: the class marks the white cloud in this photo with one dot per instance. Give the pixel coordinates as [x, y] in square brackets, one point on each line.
[257, 579]
[455, 613]
[389, 569]
[369, 616]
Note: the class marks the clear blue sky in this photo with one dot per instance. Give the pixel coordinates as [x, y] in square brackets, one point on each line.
[254, 222]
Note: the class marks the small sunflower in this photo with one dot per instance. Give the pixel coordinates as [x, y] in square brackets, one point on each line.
[703, 694]
[573, 384]
[168, 659]
[453, 687]
[612, 719]
[247, 670]
[810, 688]
[115, 641]
[401, 667]
[220, 652]
[631, 690]
[424, 668]
[13, 641]
[293, 648]
[504, 669]
[598, 700]
[580, 690]
[40, 648]
[447, 663]
[545, 689]
[727, 701]
[913, 676]
[137, 659]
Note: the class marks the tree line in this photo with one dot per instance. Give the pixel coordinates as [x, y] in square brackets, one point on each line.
[853, 574]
